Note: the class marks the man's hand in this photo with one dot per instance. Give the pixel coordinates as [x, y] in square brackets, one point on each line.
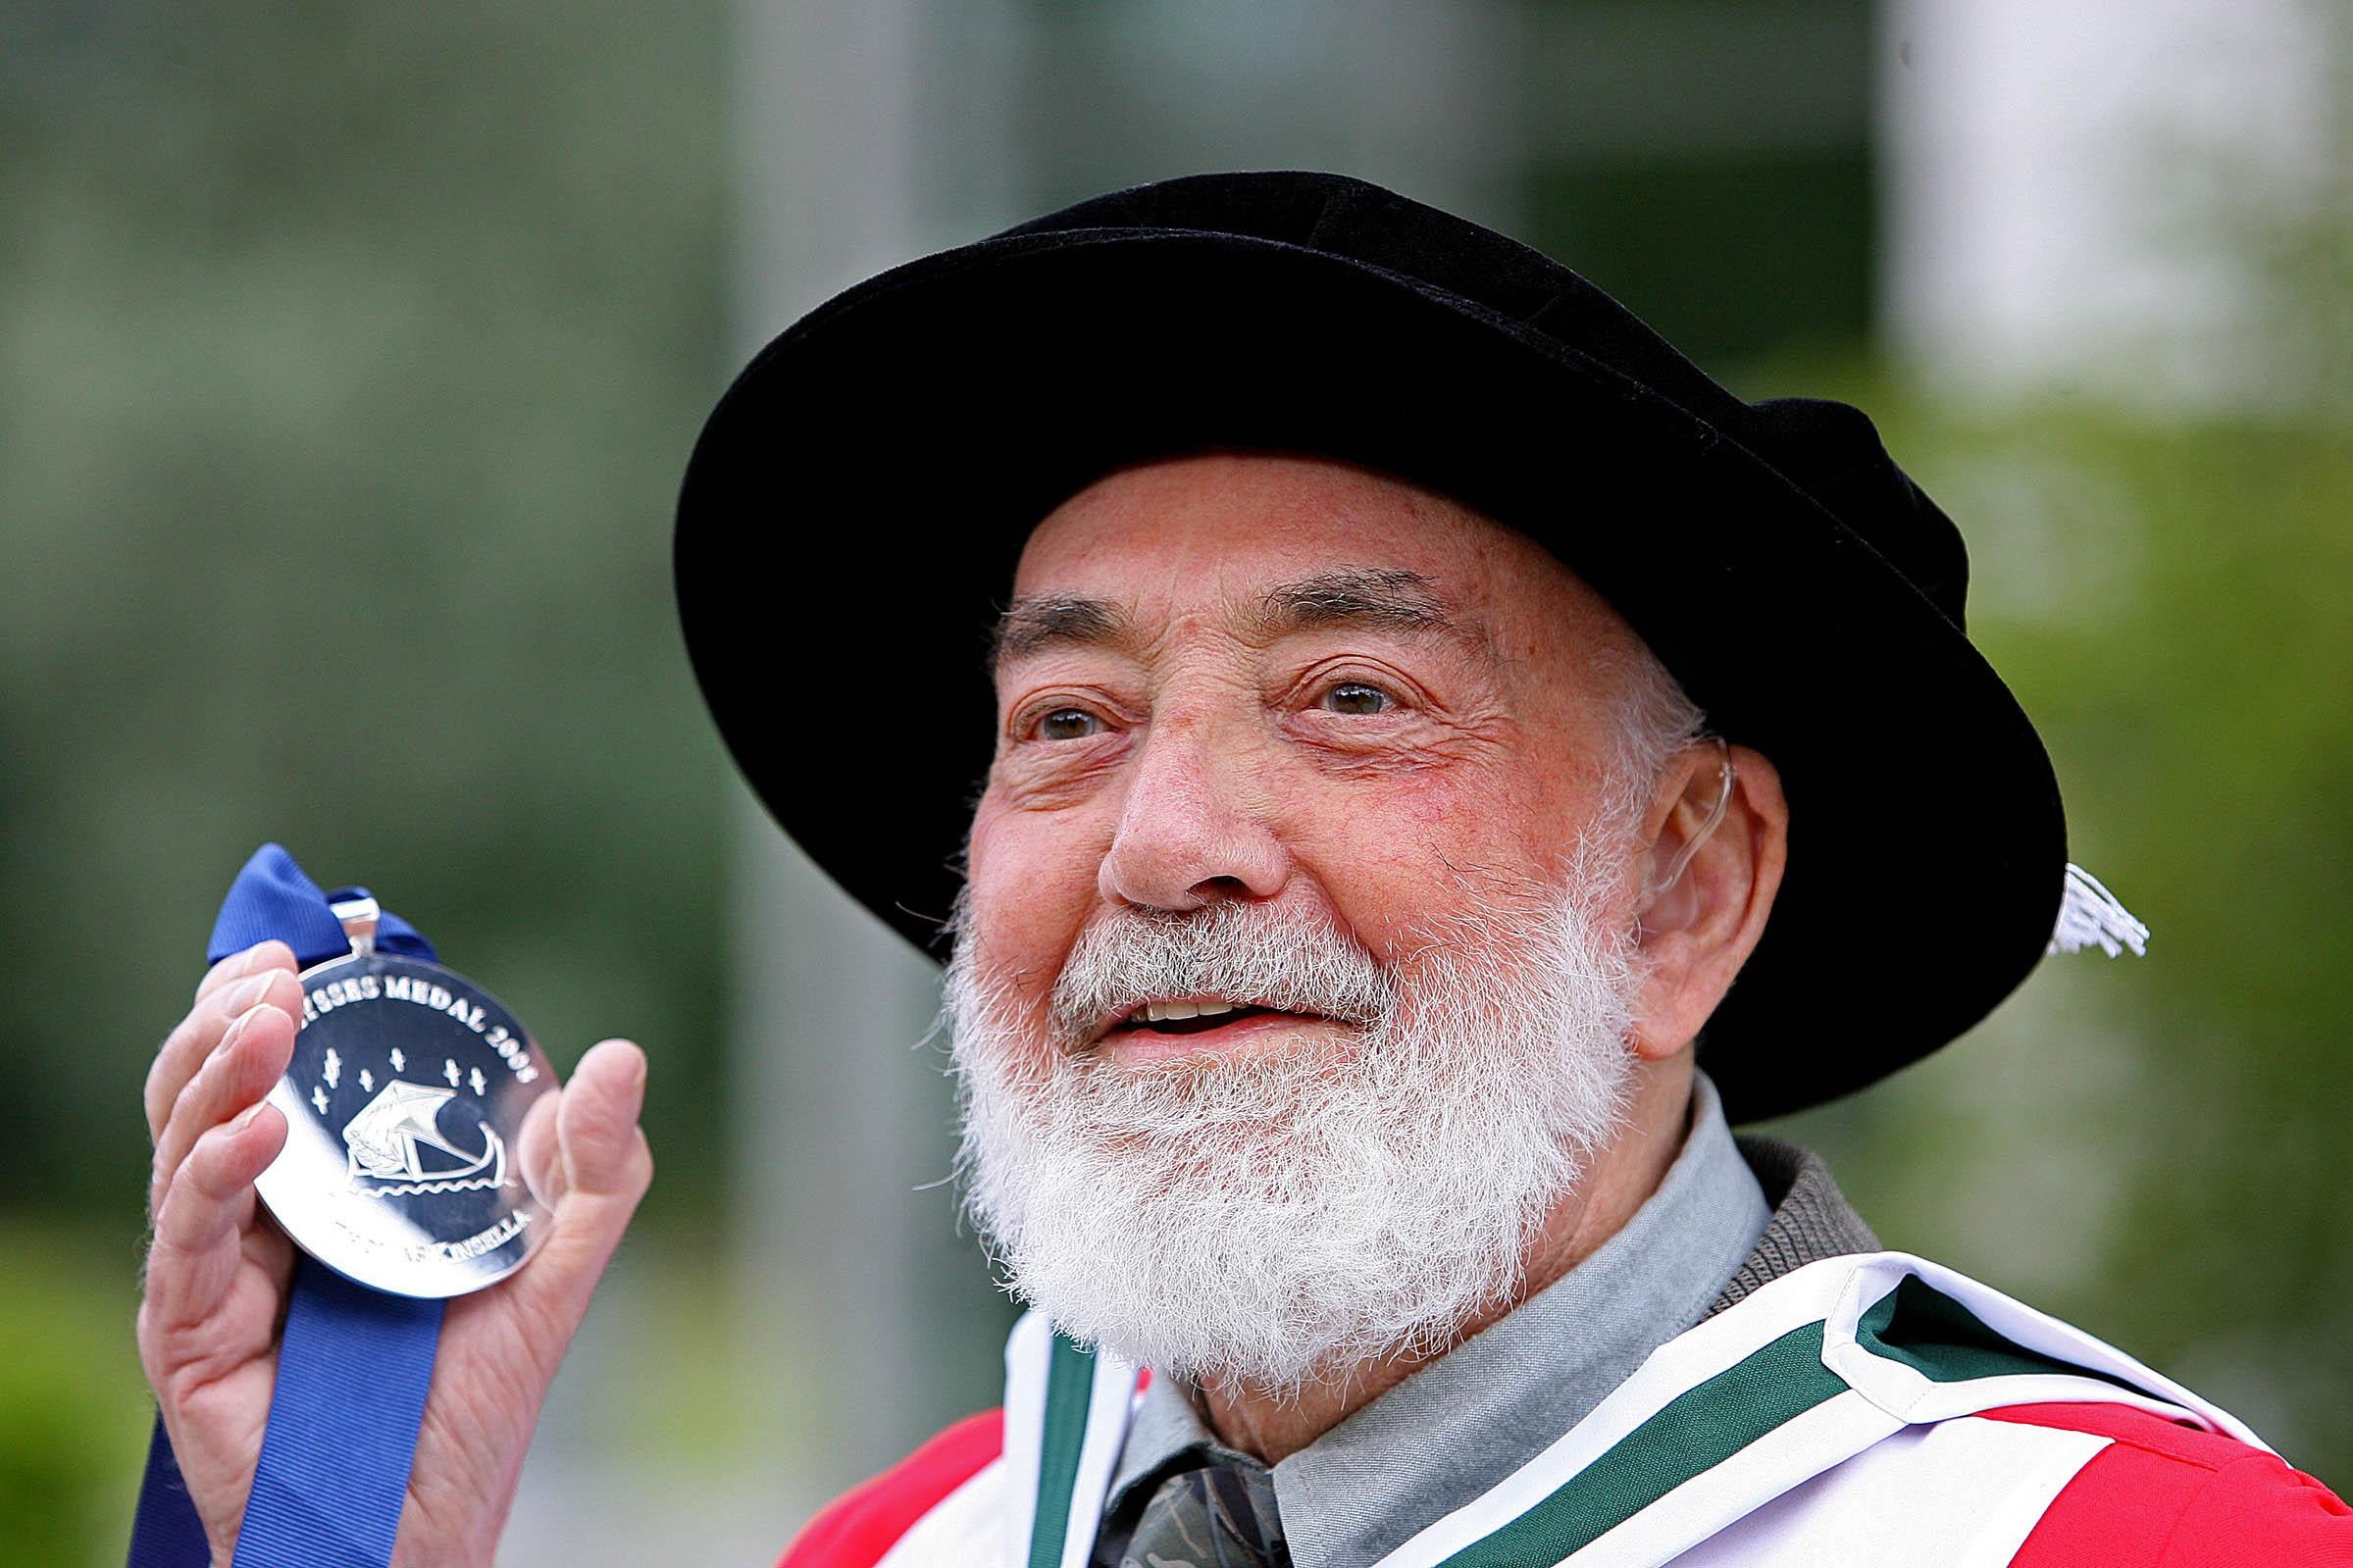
[219, 1269]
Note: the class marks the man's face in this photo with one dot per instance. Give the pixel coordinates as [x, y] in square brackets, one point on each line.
[1292, 983]
[1287, 682]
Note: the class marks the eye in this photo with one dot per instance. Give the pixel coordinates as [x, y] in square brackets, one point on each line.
[1357, 698]
[1067, 723]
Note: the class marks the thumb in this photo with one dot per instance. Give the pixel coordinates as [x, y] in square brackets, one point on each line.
[601, 1151]
[588, 1161]
[583, 1139]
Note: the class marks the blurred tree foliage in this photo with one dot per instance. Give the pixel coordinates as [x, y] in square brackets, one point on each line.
[2159, 1147]
[2156, 1147]
[349, 359]
[71, 1416]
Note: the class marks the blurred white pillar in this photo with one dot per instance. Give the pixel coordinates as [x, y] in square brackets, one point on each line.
[2061, 180]
[852, 1271]
[826, 101]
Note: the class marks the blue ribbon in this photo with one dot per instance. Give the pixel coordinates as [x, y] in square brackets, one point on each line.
[273, 901]
[354, 1365]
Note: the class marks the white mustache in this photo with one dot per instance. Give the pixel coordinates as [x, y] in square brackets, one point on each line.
[1254, 954]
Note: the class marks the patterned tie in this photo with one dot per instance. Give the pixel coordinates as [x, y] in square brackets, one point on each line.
[1218, 1516]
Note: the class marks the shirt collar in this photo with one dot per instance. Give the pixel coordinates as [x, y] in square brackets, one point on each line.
[1471, 1417]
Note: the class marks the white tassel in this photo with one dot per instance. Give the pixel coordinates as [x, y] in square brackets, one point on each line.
[2088, 915]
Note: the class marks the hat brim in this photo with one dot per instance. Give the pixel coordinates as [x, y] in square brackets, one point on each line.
[852, 513]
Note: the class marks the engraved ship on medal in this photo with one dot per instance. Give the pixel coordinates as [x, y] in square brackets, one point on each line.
[387, 1136]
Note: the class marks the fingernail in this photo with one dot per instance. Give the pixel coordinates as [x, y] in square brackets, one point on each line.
[245, 1117]
[247, 993]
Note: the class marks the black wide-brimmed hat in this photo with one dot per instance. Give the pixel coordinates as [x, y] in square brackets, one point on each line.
[854, 508]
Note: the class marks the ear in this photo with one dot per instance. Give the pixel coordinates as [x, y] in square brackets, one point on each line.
[1695, 932]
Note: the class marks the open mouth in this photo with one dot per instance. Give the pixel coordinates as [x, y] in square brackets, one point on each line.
[1190, 1017]
[1169, 1028]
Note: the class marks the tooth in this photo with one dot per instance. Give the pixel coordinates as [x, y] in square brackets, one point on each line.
[1178, 1010]
[1212, 1010]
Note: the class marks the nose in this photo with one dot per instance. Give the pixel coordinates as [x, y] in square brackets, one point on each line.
[1191, 829]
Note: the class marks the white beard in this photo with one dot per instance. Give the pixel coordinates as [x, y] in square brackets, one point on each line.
[1279, 1218]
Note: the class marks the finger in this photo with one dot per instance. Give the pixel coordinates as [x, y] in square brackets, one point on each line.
[603, 1152]
[232, 986]
[598, 1169]
[584, 1132]
[536, 1145]
[253, 960]
[202, 1217]
[252, 1053]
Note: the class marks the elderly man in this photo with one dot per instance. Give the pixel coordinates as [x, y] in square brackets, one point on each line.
[1450, 758]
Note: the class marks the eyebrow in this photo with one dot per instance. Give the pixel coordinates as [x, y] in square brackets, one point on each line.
[1034, 623]
[1362, 597]
[1373, 597]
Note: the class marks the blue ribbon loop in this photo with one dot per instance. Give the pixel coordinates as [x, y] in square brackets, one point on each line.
[273, 900]
[355, 1364]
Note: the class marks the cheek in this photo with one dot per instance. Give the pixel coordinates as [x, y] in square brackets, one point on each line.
[1430, 802]
[1429, 849]
[1031, 885]
[1453, 820]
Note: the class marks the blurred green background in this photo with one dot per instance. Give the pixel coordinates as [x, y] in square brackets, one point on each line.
[349, 359]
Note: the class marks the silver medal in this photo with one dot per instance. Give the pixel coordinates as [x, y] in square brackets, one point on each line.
[404, 1105]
